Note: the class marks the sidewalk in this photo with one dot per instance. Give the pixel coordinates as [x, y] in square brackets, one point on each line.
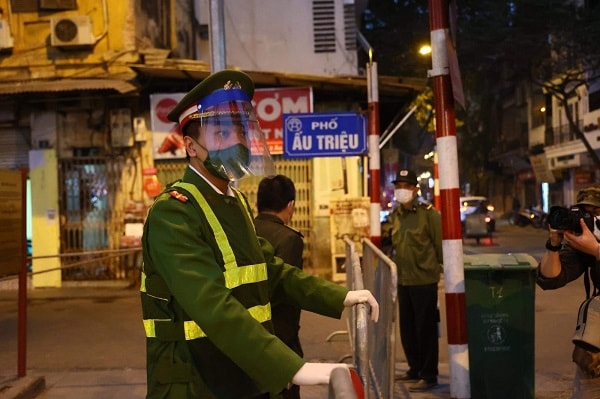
[130, 382]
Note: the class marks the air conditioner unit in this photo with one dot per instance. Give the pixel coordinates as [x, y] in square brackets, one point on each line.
[74, 31]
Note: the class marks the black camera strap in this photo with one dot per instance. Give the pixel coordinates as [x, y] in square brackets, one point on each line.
[586, 283]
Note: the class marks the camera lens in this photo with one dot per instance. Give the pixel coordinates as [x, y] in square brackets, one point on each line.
[558, 217]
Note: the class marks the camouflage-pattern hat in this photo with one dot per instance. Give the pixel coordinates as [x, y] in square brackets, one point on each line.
[589, 196]
[221, 80]
[407, 176]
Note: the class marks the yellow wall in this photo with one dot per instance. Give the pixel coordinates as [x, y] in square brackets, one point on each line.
[33, 56]
[43, 174]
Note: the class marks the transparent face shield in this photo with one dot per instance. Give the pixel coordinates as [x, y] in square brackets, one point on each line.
[234, 141]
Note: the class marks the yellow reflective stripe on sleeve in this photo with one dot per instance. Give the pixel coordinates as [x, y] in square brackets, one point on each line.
[220, 236]
[150, 326]
[260, 313]
[143, 282]
[245, 204]
[245, 275]
[233, 277]
[192, 330]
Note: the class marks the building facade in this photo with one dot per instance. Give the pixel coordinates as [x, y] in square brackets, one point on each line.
[76, 78]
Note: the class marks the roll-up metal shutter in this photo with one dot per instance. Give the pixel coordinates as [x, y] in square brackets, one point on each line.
[14, 148]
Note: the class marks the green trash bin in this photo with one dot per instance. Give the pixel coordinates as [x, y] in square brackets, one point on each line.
[500, 300]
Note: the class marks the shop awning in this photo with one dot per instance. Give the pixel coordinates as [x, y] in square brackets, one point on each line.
[66, 85]
[196, 71]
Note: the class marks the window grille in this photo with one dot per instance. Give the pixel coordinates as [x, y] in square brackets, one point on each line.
[324, 26]
[349, 27]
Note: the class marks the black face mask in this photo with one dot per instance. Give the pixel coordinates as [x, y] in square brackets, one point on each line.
[229, 163]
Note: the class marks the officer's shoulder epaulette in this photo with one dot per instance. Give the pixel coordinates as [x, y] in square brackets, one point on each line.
[294, 230]
[178, 196]
[425, 205]
[169, 185]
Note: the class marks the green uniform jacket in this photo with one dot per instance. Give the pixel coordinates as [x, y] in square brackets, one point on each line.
[239, 357]
[417, 244]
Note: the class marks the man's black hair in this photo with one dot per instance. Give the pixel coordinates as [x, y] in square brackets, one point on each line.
[274, 193]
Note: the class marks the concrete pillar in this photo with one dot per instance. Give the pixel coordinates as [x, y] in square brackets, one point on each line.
[45, 233]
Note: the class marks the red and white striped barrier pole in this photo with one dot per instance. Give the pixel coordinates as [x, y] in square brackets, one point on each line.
[436, 181]
[374, 160]
[454, 278]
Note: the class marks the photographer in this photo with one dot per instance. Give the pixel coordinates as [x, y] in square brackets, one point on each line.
[572, 249]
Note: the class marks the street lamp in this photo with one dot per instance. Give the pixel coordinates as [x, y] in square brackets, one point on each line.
[425, 49]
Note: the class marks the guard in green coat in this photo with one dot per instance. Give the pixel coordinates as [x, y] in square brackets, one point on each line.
[208, 280]
[417, 251]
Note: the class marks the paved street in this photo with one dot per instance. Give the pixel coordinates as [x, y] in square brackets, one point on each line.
[88, 341]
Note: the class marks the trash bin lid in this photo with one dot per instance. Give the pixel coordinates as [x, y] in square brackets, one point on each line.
[516, 261]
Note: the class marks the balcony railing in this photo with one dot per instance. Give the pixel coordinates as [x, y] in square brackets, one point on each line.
[562, 133]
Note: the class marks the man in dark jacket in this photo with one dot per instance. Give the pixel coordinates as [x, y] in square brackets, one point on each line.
[275, 202]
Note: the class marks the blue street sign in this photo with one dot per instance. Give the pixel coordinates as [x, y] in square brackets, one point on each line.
[324, 134]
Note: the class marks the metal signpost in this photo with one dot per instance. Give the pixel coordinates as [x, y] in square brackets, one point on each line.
[324, 134]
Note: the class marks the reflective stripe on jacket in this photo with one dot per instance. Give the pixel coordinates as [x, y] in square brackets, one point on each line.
[166, 329]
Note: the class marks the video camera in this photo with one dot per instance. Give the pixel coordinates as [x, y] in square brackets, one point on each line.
[561, 218]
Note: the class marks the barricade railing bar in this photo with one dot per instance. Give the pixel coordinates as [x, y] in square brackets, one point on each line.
[349, 249]
[340, 385]
[358, 317]
[379, 274]
[91, 259]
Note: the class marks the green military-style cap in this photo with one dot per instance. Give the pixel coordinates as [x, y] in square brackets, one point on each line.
[589, 196]
[407, 176]
[225, 79]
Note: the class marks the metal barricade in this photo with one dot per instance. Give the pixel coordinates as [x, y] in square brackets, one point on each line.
[373, 344]
[358, 317]
[379, 275]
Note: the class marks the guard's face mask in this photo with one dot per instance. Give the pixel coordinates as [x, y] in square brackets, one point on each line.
[230, 163]
[232, 137]
[403, 195]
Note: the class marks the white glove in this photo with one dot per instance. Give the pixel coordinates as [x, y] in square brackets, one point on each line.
[316, 373]
[363, 296]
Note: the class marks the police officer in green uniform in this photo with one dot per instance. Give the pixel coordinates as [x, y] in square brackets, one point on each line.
[276, 202]
[416, 235]
[208, 280]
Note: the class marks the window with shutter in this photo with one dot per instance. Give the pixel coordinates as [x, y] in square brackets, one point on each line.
[23, 5]
[324, 26]
[58, 4]
[36, 5]
[349, 27]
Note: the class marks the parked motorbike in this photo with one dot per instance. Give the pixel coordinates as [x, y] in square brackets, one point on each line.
[532, 216]
[539, 219]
